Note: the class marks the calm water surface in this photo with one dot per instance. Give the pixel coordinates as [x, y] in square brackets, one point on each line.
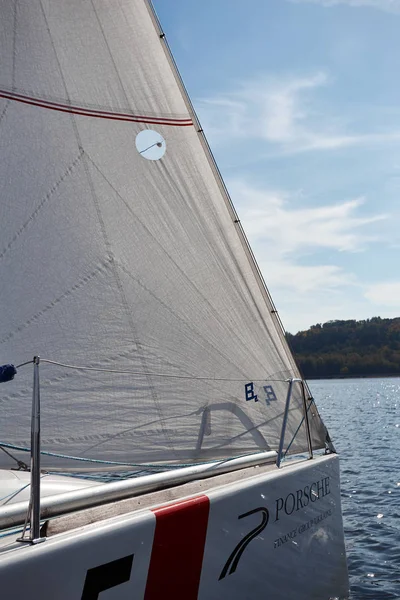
[363, 418]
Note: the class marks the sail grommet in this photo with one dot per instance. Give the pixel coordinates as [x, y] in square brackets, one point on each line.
[150, 144]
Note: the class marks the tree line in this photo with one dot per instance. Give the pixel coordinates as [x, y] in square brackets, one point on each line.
[348, 348]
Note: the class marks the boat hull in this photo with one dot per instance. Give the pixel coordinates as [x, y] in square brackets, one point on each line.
[277, 534]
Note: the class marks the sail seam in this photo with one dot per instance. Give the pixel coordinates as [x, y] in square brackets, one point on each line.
[91, 112]
[121, 291]
[282, 350]
[104, 234]
[215, 313]
[3, 113]
[110, 53]
[80, 283]
[173, 283]
[168, 308]
[39, 207]
[14, 51]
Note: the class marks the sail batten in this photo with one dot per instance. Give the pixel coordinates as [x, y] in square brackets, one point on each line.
[135, 269]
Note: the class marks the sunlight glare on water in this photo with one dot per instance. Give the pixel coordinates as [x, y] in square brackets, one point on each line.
[362, 416]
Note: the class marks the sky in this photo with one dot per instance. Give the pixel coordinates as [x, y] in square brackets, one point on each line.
[300, 102]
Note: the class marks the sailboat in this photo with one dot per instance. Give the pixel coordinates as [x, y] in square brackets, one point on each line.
[156, 437]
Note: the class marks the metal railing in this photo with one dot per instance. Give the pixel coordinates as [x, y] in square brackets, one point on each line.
[12, 515]
[37, 509]
[33, 514]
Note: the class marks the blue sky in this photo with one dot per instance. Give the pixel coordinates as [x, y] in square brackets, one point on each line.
[300, 101]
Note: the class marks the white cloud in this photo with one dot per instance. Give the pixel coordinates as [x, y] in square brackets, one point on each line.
[283, 275]
[269, 219]
[283, 236]
[385, 294]
[392, 6]
[280, 112]
[262, 108]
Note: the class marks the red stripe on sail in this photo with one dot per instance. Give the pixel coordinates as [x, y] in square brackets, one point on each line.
[178, 548]
[99, 114]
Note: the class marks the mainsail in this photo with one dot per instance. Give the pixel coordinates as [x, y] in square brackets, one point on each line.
[133, 269]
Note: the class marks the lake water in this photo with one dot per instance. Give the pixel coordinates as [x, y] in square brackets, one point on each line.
[363, 418]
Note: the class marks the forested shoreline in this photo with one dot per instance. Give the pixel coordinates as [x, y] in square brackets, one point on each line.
[368, 348]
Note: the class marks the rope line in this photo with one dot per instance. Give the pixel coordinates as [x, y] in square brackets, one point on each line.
[13, 532]
[15, 493]
[142, 466]
[21, 465]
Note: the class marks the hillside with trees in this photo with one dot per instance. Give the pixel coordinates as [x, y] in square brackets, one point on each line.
[348, 348]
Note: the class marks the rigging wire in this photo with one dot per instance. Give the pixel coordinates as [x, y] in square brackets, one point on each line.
[143, 466]
[29, 362]
[167, 375]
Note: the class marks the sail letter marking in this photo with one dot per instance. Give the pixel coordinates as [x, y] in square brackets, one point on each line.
[249, 392]
[270, 394]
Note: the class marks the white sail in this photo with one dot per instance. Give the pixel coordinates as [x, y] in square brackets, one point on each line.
[137, 268]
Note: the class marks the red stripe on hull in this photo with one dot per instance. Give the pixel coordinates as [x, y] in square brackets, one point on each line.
[178, 548]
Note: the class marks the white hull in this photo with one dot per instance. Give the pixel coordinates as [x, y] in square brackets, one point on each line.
[260, 533]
